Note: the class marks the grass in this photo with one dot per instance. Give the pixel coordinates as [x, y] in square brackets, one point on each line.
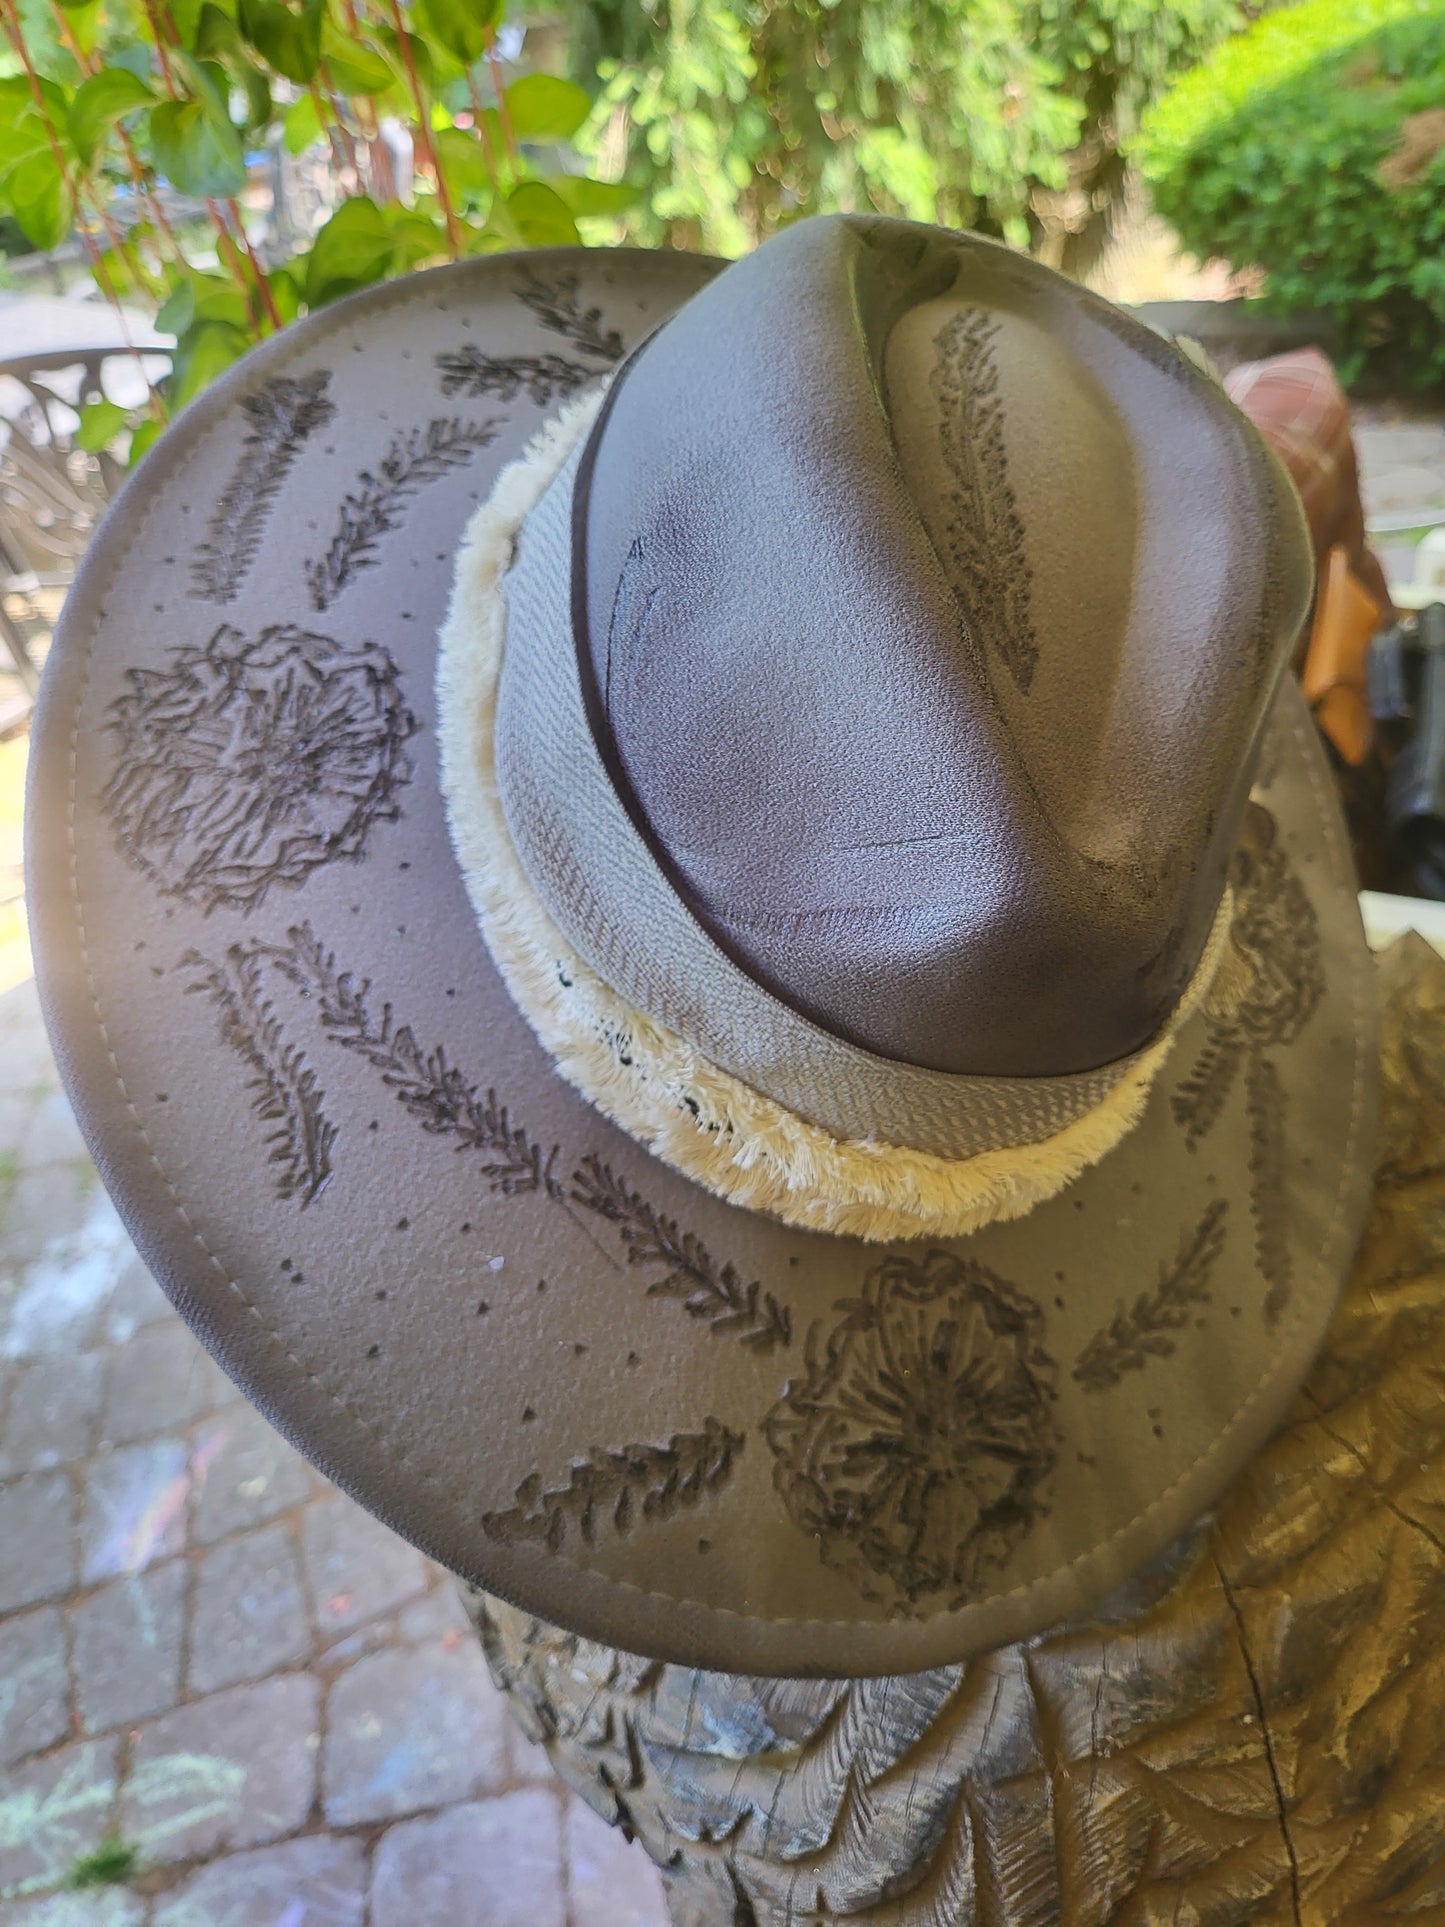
[111, 1864]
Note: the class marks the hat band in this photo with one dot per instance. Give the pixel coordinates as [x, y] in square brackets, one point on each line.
[640, 1009]
[603, 887]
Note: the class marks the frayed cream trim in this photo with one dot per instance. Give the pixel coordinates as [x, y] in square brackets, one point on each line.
[647, 1079]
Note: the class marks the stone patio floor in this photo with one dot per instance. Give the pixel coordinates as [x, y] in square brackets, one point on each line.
[207, 1653]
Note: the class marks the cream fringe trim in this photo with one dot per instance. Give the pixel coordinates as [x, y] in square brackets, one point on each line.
[696, 1117]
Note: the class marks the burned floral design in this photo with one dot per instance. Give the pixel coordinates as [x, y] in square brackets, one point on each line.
[918, 1445]
[248, 763]
[1276, 977]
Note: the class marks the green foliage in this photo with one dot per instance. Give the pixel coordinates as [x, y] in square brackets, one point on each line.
[111, 1864]
[101, 101]
[738, 116]
[544, 108]
[287, 39]
[149, 95]
[197, 148]
[100, 423]
[1313, 147]
[459, 26]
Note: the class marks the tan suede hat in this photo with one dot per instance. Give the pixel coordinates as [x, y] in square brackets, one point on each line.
[796, 1092]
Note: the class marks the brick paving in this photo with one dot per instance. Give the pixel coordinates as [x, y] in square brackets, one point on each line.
[208, 1652]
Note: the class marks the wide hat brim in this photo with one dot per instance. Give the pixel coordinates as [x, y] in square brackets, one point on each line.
[555, 1365]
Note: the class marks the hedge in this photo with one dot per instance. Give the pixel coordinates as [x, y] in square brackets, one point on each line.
[1313, 146]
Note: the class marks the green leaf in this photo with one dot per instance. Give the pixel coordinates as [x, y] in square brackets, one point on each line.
[416, 238]
[463, 162]
[142, 439]
[286, 289]
[420, 55]
[178, 310]
[302, 126]
[197, 151]
[289, 41]
[217, 37]
[257, 85]
[461, 26]
[206, 351]
[544, 108]
[542, 217]
[355, 248]
[186, 15]
[40, 201]
[86, 22]
[352, 64]
[16, 99]
[207, 79]
[100, 422]
[99, 103]
[585, 197]
[24, 139]
[217, 298]
[490, 238]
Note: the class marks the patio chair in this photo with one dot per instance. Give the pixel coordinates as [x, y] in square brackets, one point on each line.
[52, 495]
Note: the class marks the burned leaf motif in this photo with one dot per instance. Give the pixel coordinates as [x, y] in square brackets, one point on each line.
[711, 1292]
[987, 561]
[426, 1083]
[284, 1090]
[558, 307]
[1265, 1102]
[619, 1488]
[918, 1444]
[245, 765]
[1265, 991]
[434, 1092]
[375, 506]
[281, 414]
[1147, 1328]
[1201, 1097]
[467, 371]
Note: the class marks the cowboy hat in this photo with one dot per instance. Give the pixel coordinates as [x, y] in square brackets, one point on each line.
[796, 1092]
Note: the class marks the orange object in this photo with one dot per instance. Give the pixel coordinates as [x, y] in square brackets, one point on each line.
[1333, 675]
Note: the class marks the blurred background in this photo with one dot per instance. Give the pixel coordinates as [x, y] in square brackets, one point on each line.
[226, 1696]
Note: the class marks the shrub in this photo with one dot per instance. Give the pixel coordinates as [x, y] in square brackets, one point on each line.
[1313, 146]
[738, 116]
[110, 109]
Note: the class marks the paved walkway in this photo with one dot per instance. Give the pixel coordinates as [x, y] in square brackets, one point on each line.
[209, 1656]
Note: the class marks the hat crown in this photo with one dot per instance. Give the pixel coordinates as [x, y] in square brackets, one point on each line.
[930, 610]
